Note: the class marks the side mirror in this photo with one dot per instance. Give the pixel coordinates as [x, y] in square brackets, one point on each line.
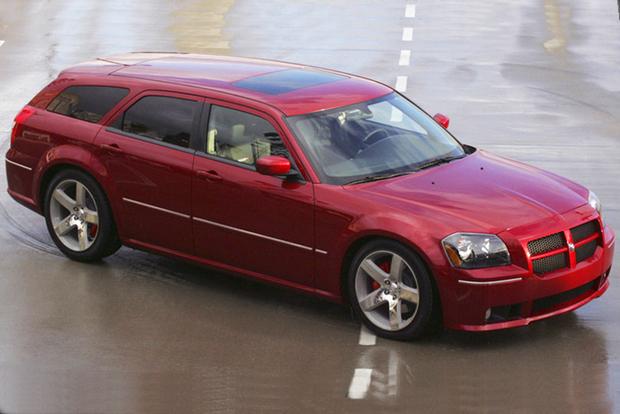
[442, 120]
[273, 165]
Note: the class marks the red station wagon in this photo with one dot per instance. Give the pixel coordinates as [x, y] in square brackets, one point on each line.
[313, 179]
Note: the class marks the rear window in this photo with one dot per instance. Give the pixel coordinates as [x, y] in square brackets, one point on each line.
[88, 103]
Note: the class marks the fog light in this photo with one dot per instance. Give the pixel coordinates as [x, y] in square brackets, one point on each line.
[604, 278]
[487, 314]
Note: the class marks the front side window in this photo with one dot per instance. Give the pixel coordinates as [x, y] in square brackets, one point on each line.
[161, 118]
[384, 136]
[241, 137]
[88, 103]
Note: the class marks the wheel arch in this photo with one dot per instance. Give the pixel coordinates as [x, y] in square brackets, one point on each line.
[48, 174]
[356, 244]
[89, 166]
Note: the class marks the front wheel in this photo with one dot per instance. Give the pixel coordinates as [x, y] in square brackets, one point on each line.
[79, 218]
[390, 290]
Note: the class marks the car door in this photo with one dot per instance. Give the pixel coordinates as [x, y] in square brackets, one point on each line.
[262, 225]
[147, 153]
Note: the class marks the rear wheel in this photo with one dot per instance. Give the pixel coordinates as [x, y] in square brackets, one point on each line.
[391, 290]
[79, 218]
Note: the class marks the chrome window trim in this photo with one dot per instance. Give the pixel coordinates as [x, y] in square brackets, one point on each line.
[176, 213]
[143, 138]
[491, 282]
[18, 164]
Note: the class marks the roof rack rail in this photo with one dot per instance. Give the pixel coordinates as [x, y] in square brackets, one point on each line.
[111, 61]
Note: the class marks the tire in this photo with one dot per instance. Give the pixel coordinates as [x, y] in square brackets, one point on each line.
[79, 218]
[385, 275]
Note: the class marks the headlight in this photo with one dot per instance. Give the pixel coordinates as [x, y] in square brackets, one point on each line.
[595, 202]
[473, 250]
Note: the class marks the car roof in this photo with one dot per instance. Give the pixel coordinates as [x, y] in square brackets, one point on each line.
[293, 89]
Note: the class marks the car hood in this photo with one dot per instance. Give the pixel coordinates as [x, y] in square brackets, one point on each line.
[481, 192]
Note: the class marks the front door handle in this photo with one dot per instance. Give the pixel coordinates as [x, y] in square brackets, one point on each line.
[111, 147]
[210, 175]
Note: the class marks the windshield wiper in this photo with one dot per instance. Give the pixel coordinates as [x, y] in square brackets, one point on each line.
[378, 177]
[438, 161]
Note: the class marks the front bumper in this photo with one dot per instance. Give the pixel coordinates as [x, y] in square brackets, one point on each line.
[514, 296]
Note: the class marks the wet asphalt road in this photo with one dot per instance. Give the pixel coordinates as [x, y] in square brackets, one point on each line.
[536, 80]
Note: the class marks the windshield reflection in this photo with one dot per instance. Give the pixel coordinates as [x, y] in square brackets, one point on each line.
[384, 136]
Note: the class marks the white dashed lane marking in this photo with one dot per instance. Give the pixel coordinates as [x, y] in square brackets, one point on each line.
[362, 377]
[410, 10]
[405, 58]
[366, 337]
[407, 34]
[1, 43]
[360, 383]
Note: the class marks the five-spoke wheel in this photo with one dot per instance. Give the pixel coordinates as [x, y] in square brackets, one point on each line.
[78, 216]
[387, 290]
[390, 290]
[74, 216]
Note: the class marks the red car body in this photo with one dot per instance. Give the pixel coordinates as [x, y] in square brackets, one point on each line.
[303, 234]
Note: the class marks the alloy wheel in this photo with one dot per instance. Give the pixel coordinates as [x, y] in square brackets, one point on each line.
[74, 215]
[387, 290]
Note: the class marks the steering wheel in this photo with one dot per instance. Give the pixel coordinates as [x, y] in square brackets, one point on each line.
[371, 138]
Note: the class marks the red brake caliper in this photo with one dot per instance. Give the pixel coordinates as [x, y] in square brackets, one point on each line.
[385, 266]
[92, 230]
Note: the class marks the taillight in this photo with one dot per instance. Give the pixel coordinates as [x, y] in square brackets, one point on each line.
[21, 117]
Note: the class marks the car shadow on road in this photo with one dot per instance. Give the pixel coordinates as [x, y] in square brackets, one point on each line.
[238, 288]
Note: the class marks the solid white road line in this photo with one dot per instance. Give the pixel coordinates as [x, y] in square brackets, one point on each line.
[401, 83]
[410, 10]
[405, 58]
[360, 383]
[407, 34]
[367, 338]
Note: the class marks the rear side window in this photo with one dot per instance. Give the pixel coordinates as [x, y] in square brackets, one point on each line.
[88, 103]
[162, 118]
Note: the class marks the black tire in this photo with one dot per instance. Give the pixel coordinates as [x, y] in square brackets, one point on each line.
[422, 319]
[106, 241]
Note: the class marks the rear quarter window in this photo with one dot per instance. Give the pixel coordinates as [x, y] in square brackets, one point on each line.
[88, 103]
[161, 118]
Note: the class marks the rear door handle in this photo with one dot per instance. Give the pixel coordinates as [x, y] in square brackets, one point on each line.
[210, 175]
[111, 147]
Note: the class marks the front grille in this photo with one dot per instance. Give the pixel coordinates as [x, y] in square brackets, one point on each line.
[557, 241]
[546, 244]
[554, 300]
[586, 251]
[584, 231]
[550, 263]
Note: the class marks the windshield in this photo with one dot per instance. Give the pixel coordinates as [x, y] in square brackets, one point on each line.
[381, 137]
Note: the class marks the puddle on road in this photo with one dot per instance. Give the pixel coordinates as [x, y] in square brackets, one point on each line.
[555, 19]
[198, 26]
